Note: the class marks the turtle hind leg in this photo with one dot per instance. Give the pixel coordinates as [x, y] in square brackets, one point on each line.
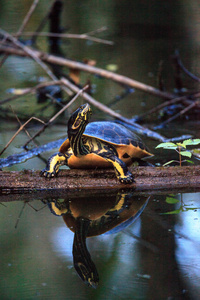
[142, 163]
[120, 167]
[121, 170]
[53, 164]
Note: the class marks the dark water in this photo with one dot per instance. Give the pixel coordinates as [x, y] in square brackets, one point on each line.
[156, 256]
[153, 256]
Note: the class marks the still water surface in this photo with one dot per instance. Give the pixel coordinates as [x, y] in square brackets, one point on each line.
[154, 257]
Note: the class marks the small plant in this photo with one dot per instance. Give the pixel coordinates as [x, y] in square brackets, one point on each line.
[181, 149]
[182, 206]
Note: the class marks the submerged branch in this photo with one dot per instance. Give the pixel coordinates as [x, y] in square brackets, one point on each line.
[23, 156]
[182, 112]
[168, 103]
[179, 63]
[31, 90]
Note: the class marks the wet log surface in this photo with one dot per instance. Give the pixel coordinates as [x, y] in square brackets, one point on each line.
[70, 182]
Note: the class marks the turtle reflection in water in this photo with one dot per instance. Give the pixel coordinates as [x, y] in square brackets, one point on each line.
[89, 216]
[99, 144]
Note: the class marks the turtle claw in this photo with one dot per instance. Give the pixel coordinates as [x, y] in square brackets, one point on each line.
[127, 179]
[47, 174]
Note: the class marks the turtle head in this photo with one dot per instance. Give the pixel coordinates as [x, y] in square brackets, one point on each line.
[89, 276]
[76, 126]
[83, 263]
[79, 119]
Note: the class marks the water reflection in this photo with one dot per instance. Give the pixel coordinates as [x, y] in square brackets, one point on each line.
[156, 257]
[91, 215]
[187, 251]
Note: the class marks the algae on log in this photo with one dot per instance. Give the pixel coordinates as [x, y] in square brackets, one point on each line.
[69, 181]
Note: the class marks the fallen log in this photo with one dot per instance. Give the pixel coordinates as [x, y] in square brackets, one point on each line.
[147, 179]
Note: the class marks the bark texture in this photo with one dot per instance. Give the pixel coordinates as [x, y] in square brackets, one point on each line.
[71, 181]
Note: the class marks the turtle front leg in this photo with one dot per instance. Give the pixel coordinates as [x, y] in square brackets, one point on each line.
[53, 164]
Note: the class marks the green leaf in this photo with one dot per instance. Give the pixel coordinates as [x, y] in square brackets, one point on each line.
[186, 153]
[182, 145]
[191, 142]
[173, 212]
[190, 161]
[169, 162]
[171, 200]
[167, 145]
[112, 67]
[191, 208]
[196, 151]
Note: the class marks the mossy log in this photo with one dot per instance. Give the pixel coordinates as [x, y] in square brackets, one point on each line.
[147, 179]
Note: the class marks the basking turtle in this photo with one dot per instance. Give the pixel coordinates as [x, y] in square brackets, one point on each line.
[99, 144]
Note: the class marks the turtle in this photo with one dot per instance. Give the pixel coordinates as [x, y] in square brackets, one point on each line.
[100, 144]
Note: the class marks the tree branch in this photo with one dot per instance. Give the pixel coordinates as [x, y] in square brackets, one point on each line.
[56, 115]
[52, 59]
[82, 36]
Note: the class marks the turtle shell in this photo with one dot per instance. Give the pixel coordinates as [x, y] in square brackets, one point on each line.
[125, 141]
[113, 133]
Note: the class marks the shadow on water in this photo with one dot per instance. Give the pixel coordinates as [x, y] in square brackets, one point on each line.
[124, 244]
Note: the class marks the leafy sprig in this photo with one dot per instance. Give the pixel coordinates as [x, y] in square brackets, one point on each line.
[182, 206]
[181, 149]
